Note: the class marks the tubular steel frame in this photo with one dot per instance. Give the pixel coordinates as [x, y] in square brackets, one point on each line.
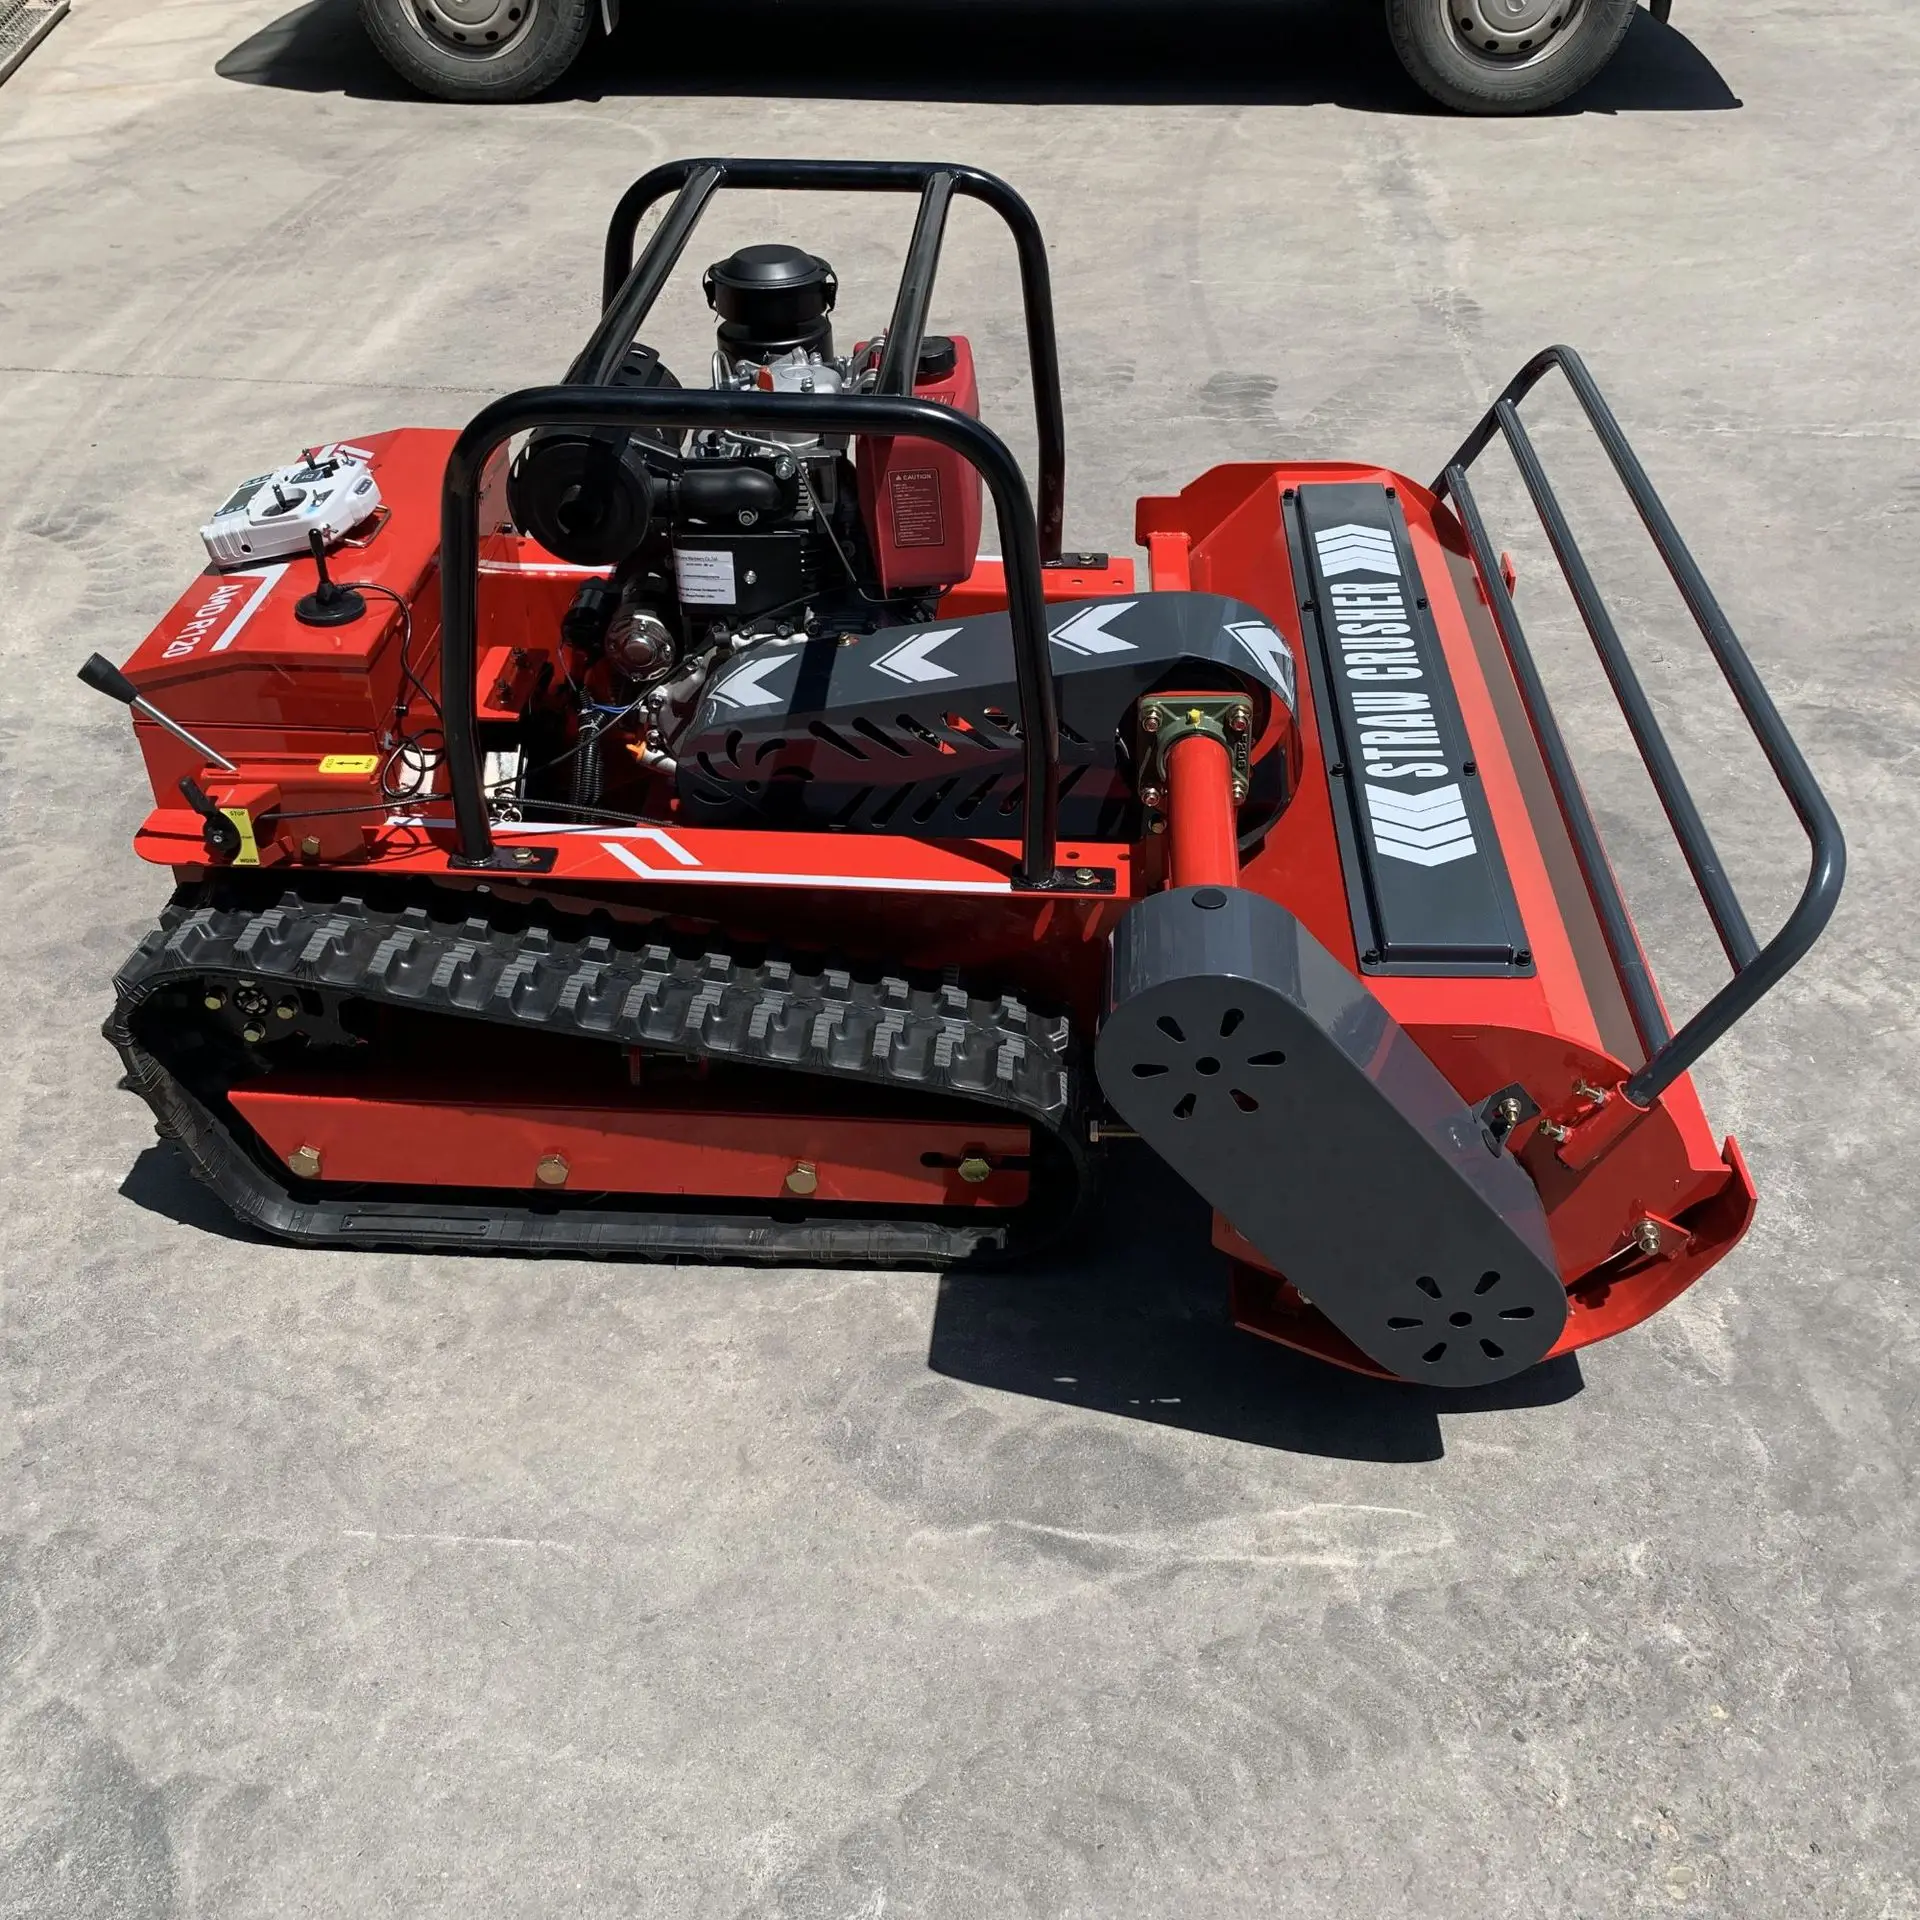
[1757, 969]
[629, 287]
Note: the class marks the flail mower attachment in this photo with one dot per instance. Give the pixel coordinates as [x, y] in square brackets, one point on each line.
[643, 824]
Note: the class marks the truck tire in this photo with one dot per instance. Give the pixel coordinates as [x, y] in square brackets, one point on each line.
[479, 50]
[1506, 56]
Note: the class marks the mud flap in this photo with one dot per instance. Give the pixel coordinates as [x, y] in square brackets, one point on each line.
[1277, 1086]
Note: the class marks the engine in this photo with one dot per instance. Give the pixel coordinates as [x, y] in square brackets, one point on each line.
[715, 542]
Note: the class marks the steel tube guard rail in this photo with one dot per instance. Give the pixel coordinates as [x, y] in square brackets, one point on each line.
[629, 287]
[583, 408]
[1757, 969]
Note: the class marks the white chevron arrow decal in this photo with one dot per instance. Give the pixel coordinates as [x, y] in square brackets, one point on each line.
[1427, 829]
[909, 660]
[1417, 809]
[1087, 631]
[1269, 651]
[743, 687]
[1356, 549]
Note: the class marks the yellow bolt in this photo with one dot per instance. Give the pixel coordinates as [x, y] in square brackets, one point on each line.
[552, 1171]
[305, 1161]
[974, 1169]
[804, 1178]
[215, 1001]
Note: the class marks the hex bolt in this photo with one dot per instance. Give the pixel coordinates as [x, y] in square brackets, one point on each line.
[1510, 1109]
[305, 1162]
[1240, 719]
[310, 846]
[552, 1171]
[1085, 875]
[1648, 1237]
[1151, 796]
[804, 1179]
[1239, 790]
[1596, 1096]
[1554, 1131]
[1149, 719]
[974, 1169]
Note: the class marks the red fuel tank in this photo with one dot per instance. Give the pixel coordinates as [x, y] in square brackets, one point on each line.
[920, 502]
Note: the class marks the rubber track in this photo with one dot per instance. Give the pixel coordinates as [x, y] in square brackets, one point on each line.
[886, 1032]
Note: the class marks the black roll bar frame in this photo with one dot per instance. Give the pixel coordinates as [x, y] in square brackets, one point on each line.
[630, 286]
[1757, 969]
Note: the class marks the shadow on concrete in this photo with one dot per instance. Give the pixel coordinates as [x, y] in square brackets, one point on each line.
[1134, 1323]
[160, 1181]
[1037, 52]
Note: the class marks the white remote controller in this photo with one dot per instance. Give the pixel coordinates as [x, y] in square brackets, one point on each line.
[330, 490]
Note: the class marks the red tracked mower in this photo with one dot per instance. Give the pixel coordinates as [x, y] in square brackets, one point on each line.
[677, 842]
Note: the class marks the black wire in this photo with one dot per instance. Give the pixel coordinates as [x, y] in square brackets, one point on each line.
[388, 806]
[840, 554]
[586, 813]
[430, 757]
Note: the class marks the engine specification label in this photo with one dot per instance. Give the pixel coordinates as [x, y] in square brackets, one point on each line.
[705, 575]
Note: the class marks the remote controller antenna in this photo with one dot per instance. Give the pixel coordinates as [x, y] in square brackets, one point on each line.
[329, 604]
[104, 677]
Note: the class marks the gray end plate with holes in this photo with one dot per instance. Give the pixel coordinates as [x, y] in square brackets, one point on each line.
[1277, 1086]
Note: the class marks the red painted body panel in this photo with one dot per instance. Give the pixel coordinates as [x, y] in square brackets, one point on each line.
[404, 1139]
[921, 502]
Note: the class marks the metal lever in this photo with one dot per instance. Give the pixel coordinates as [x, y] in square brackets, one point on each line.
[104, 677]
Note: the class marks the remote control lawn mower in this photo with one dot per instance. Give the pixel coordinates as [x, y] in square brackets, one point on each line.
[642, 824]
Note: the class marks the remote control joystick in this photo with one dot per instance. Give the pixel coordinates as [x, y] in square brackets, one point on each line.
[329, 604]
[270, 516]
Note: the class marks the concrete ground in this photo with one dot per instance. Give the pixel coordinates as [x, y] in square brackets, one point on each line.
[343, 1585]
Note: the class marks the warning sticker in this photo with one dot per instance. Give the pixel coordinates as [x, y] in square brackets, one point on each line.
[705, 575]
[914, 494]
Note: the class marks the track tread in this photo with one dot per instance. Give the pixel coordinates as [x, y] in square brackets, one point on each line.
[504, 968]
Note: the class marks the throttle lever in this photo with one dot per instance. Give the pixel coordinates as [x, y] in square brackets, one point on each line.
[221, 836]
